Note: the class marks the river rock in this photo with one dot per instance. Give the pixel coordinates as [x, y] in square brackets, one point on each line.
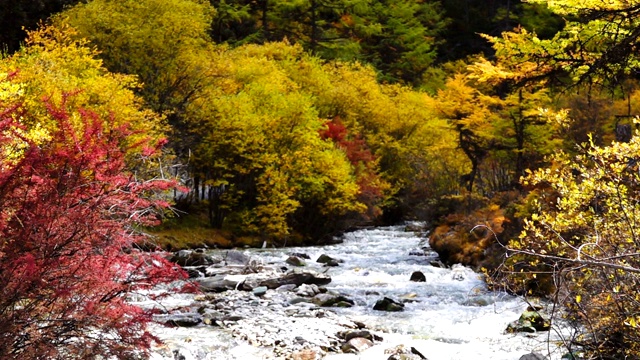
[197, 272]
[297, 278]
[300, 255]
[417, 252]
[458, 272]
[387, 304]
[287, 288]
[295, 261]
[350, 334]
[529, 321]
[328, 260]
[248, 284]
[532, 356]
[401, 352]
[418, 276]
[259, 291]
[415, 227]
[307, 290]
[191, 258]
[305, 354]
[409, 298]
[326, 300]
[180, 320]
[216, 284]
[356, 345]
[236, 257]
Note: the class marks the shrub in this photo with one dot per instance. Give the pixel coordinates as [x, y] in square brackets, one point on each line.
[68, 210]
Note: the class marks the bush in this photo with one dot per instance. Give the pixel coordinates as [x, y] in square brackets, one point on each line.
[583, 232]
[66, 230]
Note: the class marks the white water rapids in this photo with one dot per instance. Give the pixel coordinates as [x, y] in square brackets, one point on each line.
[451, 316]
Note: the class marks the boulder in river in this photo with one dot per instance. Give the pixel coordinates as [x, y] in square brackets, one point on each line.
[295, 261]
[418, 276]
[300, 255]
[191, 258]
[328, 260]
[298, 278]
[529, 321]
[327, 299]
[387, 304]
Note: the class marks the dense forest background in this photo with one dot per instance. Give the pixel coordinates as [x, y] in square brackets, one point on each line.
[304, 118]
[508, 125]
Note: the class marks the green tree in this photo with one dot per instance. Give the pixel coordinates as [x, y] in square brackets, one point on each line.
[400, 39]
[408, 40]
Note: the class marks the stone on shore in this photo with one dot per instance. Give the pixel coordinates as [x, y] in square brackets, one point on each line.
[191, 258]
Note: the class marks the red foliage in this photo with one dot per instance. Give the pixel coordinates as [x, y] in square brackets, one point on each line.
[355, 148]
[67, 213]
[363, 161]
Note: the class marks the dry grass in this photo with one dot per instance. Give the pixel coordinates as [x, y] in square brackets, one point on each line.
[193, 231]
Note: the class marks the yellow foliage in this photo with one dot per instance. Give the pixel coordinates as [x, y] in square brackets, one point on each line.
[56, 67]
[584, 221]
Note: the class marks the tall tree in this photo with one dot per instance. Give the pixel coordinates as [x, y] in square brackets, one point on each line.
[165, 44]
[262, 156]
[399, 38]
[596, 46]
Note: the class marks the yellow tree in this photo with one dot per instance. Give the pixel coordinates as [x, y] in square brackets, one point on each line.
[165, 44]
[415, 151]
[55, 66]
[469, 111]
[583, 229]
[265, 162]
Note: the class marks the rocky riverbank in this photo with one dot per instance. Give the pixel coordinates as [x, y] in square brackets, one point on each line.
[284, 304]
[281, 310]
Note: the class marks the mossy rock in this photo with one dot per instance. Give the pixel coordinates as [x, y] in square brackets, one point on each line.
[530, 322]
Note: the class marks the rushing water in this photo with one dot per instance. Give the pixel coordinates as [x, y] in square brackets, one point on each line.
[451, 316]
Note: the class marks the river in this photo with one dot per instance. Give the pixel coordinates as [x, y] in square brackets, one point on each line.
[450, 316]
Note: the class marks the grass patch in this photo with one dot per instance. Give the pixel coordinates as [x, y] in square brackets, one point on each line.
[190, 231]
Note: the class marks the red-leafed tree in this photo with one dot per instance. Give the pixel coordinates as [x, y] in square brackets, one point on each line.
[68, 209]
[371, 187]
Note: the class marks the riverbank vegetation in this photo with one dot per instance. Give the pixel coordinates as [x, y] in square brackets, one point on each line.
[508, 125]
